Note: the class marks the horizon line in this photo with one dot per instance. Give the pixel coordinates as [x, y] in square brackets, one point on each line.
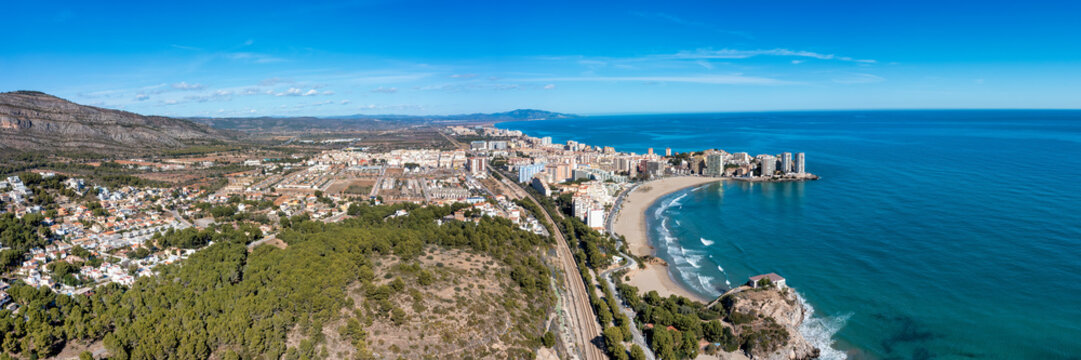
[597, 114]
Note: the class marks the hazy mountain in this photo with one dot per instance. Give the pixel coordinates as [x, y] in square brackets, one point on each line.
[370, 122]
[31, 120]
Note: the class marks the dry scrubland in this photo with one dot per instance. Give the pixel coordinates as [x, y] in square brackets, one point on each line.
[453, 304]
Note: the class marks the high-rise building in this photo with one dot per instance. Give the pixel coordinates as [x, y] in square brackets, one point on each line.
[547, 140]
[559, 172]
[478, 145]
[526, 172]
[786, 162]
[655, 168]
[714, 164]
[767, 165]
[477, 165]
[799, 164]
[667, 151]
[650, 151]
[595, 218]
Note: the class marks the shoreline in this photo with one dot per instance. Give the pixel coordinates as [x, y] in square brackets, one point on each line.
[630, 221]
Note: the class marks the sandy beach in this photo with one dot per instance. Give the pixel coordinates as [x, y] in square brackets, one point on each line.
[631, 223]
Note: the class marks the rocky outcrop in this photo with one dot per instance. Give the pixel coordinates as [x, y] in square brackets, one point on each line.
[768, 321]
[31, 120]
[653, 260]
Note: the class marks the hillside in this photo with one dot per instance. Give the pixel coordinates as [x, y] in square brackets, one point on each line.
[31, 120]
[370, 287]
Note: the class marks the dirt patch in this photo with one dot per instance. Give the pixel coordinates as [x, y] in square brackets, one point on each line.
[467, 308]
[74, 348]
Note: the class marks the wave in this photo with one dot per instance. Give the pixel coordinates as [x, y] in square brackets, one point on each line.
[666, 235]
[695, 260]
[707, 283]
[819, 331]
[697, 281]
[706, 242]
[664, 206]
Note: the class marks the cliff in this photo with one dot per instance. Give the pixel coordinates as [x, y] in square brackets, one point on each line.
[768, 320]
[31, 120]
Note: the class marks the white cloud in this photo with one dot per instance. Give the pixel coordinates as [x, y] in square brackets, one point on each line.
[549, 86]
[744, 54]
[593, 63]
[254, 57]
[300, 92]
[185, 86]
[141, 97]
[385, 90]
[704, 79]
[859, 78]
[183, 47]
[290, 92]
[274, 81]
[463, 76]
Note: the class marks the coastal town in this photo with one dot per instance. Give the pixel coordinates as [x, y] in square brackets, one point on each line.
[93, 233]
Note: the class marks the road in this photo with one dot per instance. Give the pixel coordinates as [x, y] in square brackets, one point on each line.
[631, 263]
[181, 219]
[453, 141]
[636, 334]
[609, 224]
[335, 218]
[587, 336]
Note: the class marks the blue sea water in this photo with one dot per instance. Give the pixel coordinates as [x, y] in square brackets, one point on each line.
[932, 234]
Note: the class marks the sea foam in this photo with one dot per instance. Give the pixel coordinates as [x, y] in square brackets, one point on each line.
[695, 260]
[819, 331]
[706, 242]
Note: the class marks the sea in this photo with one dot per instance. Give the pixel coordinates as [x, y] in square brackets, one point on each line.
[930, 235]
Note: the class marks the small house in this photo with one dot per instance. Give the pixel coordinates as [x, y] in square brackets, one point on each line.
[771, 278]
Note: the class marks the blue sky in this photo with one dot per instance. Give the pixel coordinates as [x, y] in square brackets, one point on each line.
[261, 58]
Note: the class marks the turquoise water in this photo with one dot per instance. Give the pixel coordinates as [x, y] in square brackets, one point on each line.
[932, 234]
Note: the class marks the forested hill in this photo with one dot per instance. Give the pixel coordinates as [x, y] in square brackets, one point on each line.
[31, 120]
[369, 284]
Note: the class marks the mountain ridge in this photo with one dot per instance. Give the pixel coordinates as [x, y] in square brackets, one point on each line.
[370, 122]
[33, 120]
